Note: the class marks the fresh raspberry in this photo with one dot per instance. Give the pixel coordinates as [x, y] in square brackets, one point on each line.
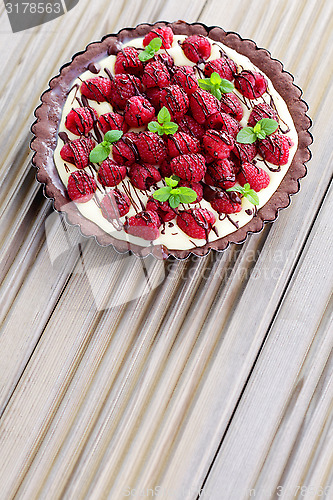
[191, 168]
[255, 176]
[191, 127]
[203, 104]
[78, 151]
[125, 151]
[123, 87]
[230, 104]
[226, 203]
[196, 186]
[144, 225]
[138, 111]
[175, 100]
[165, 59]
[260, 111]
[163, 209]
[220, 174]
[128, 61]
[154, 96]
[224, 66]
[165, 169]
[156, 75]
[250, 84]
[225, 122]
[151, 148]
[81, 186]
[115, 204]
[245, 152]
[112, 121]
[164, 33]
[181, 144]
[96, 89]
[80, 121]
[184, 76]
[196, 48]
[143, 176]
[110, 173]
[218, 143]
[196, 222]
[275, 149]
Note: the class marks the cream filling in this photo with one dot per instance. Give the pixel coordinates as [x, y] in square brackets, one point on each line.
[174, 237]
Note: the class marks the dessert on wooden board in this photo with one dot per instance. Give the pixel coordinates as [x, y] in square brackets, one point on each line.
[171, 139]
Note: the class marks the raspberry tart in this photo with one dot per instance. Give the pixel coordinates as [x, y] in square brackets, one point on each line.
[171, 139]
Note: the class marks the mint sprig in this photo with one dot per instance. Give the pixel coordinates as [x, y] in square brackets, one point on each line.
[247, 192]
[173, 194]
[102, 150]
[264, 127]
[150, 50]
[164, 125]
[216, 85]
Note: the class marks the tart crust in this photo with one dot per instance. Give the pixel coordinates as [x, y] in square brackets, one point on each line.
[48, 114]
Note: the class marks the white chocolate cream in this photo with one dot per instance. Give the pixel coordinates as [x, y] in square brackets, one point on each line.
[174, 237]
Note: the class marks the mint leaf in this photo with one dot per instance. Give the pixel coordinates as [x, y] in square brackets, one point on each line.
[172, 181]
[247, 192]
[165, 125]
[216, 85]
[257, 128]
[155, 44]
[174, 200]
[164, 115]
[216, 93]
[100, 153]
[187, 195]
[252, 197]
[145, 56]
[149, 51]
[170, 128]
[246, 136]
[113, 136]
[226, 86]
[268, 125]
[162, 194]
[215, 78]
[155, 127]
[205, 84]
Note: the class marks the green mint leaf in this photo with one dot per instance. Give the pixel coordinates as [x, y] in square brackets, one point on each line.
[187, 195]
[268, 125]
[154, 127]
[261, 135]
[113, 136]
[170, 128]
[226, 86]
[238, 189]
[247, 192]
[174, 200]
[257, 128]
[215, 78]
[150, 50]
[162, 194]
[164, 115]
[155, 44]
[145, 56]
[216, 93]
[99, 153]
[205, 84]
[175, 191]
[246, 136]
[172, 181]
[252, 197]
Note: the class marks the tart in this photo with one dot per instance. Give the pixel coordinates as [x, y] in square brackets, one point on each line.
[171, 139]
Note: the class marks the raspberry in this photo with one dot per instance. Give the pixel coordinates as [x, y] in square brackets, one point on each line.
[115, 204]
[226, 203]
[144, 225]
[156, 75]
[184, 76]
[165, 59]
[138, 112]
[250, 84]
[164, 33]
[112, 121]
[110, 173]
[196, 48]
[196, 222]
[128, 61]
[245, 152]
[196, 186]
[163, 209]
[181, 144]
[154, 96]
[224, 66]
[80, 121]
[190, 168]
[165, 169]
[96, 89]
[125, 151]
[175, 100]
[260, 111]
[203, 104]
[255, 176]
[275, 149]
[123, 87]
[218, 143]
[191, 127]
[230, 104]
[81, 186]
[151, 148]
[143, 176]
[223, 121]
[78, 151]
[220, 174]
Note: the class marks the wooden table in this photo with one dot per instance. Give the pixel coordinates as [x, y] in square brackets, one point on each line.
[212, 378]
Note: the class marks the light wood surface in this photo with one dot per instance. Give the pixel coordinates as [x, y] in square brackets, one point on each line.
[214, 378]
